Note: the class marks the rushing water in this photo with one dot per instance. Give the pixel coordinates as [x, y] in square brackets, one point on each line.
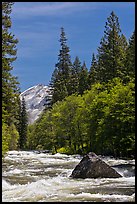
[29, 176]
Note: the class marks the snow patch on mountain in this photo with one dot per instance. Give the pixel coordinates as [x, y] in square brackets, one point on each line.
[36, 98]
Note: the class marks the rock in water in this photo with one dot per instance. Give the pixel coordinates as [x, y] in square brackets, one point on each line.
[91, 166]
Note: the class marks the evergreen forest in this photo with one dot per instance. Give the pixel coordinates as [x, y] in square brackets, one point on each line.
[92, 108]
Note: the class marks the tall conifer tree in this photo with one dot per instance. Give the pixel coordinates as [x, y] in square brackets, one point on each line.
[130, 58]
[61, 75]
[111, 53]
[10, 89]
[23, 125]
[75, 74]
[93, 72]
[83, 79]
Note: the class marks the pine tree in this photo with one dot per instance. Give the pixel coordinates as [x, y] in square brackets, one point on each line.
[75, 74]
[61, 75]
[10, 89]
[83, 79]
[111, 53]
[130, 58]
[93, 72]
[123, 45]
[23, 125]
[10, 84]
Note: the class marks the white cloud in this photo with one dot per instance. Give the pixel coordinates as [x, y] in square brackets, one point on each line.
[27, 9]
[31, 9]
[32, 44]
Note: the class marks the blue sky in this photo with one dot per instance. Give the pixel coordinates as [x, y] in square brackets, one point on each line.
[37, 27]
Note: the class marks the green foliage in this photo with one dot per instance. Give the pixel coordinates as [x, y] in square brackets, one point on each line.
[23, 125]
[13, 144]
[130, 58]
[92, 76]
[95, 110]
[6, 137]
[64, 150]
[101, 120]
[68, 78]
[39, 147]
[10, 137]
[74, 76]
[83, 79]
[61, 74]
[110, 118]
[10, 89]
[112, 51]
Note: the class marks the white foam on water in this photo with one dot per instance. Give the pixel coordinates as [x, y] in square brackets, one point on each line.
[54, 189]
[113, 161]
[15, 171]
[5, 185]
[57, 186]
[101, 197]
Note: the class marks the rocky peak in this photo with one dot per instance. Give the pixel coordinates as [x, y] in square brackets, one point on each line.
[36, 98]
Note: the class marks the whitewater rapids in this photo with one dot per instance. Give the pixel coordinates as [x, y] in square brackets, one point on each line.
[30, 176]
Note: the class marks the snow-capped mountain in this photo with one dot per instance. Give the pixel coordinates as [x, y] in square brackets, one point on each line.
[36, 98]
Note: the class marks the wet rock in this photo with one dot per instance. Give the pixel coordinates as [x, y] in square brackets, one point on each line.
[91, 166]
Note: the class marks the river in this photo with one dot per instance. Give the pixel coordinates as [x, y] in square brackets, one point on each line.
[32, 176]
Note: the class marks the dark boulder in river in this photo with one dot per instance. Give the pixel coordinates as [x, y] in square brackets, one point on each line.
[91, 166]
